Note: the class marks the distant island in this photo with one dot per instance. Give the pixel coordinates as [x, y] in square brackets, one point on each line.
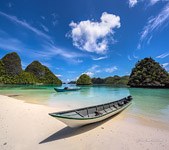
[11, 72]
[146, 73]
[113, 81]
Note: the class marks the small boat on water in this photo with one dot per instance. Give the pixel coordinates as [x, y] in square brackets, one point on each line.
[66, 89]
[88, 115]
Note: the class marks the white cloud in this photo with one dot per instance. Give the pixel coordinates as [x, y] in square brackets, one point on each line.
[111, 69]
[165, 64]
[95, 69]
[129, 58]
[10, 43]
[153, 24]
[132, 3]
[55, 19]
[14, 19]
[47, 48]
[58, 75]
[163, 55]
[152, 2]
[55, 22]
[89, 73]
[52, 50]
[100, 58]
[92, 71]
[94, 36]
[44, 28]
[134, 56]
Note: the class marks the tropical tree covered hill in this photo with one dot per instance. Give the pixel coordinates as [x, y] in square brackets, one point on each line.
[148, 73]
[84, 79]
[98, 81]
[11, 72]
[115, 80]
[12, 64]
[42, 73]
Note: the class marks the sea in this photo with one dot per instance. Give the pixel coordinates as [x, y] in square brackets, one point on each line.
[152, 103]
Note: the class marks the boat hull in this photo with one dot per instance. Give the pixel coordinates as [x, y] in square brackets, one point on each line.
[66, 90]
[84, 121]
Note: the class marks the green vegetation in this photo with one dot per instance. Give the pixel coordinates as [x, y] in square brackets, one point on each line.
[148, 73]
[42, 73]
[72, 82]
[98, 81]
[12, 64]
[11, 72]
[84, 79]
[115, 81]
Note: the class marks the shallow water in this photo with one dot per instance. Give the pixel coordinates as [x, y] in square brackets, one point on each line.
[152, 103]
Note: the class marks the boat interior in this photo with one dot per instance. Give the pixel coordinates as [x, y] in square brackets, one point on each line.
[94, 111]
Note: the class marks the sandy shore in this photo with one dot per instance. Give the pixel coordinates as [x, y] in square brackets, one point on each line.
[26, 126]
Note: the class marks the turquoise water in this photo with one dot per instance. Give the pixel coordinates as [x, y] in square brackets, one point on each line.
[153, 103]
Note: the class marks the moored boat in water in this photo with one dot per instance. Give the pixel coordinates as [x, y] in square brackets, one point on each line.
[88, 115]
[66, 89]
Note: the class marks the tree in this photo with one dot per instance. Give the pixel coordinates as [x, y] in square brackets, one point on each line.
[148, 73]
[84, 79]
[42, 73]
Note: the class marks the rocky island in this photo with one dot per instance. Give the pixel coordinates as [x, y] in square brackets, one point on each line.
[11, 72]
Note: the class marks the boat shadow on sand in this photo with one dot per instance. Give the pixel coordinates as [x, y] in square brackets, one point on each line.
[70, 132]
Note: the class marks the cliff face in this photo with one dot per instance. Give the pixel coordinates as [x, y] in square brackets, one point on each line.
[12, 64]
[42, 73]
[148, 73]
[11, 72]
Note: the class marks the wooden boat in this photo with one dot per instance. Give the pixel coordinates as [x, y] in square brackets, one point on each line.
[88, 115]
[66, 89]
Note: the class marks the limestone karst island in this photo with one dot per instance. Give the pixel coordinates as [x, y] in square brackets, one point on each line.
[84, 75]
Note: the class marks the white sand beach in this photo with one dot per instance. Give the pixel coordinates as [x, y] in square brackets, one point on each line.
[25, 126]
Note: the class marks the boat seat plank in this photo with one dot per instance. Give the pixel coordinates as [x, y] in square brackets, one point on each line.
[83, 112]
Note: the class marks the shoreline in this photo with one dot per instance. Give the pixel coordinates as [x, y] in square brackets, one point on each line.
[64, 107]
[28, 126]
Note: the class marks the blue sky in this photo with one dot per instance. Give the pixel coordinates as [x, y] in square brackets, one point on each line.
[100, 38]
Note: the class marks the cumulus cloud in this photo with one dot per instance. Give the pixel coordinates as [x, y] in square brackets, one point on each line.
[94, 36]
[132, 3]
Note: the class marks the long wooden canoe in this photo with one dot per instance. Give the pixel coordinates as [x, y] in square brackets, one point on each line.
[87, 115]
[66, 89]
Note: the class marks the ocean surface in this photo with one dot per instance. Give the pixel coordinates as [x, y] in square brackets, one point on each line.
[152, 103]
